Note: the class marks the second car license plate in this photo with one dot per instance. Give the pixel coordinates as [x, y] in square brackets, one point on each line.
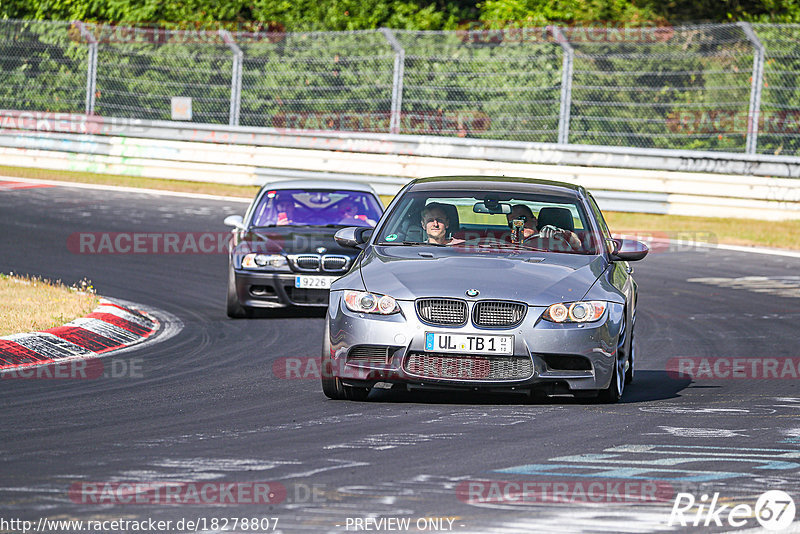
[468, 343]
[313, 282]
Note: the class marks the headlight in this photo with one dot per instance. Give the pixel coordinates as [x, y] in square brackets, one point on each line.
[363, 302]
[575, 312]
[261, 261]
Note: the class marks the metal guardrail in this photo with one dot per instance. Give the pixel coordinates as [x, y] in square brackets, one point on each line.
[14, 123]
[731, 88]
[250, 156]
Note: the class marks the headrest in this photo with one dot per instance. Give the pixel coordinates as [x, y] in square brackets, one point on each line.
[558, 217]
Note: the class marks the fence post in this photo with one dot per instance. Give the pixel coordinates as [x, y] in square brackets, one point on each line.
[397, 80]
[91, 69]
[566, 84]
[755, 87]
[236, 77]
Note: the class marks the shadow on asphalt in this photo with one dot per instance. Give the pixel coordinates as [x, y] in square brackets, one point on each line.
[286, 313]
[648, 386]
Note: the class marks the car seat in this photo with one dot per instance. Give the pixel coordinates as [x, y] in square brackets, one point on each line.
[415, 234]
[452, 216]
[409, 228]
[558, 217]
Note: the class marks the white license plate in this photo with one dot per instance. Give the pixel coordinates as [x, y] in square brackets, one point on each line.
[313, 282]
[468, 343]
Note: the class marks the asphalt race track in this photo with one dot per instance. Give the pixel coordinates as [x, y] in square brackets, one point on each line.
[208, 406]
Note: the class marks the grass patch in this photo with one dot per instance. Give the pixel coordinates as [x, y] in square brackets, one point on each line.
[750, 232]
[753, 232]
[33, 304]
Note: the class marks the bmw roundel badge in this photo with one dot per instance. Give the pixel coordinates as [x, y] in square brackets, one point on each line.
[472, 292]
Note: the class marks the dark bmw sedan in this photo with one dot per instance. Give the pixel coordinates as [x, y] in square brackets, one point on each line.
[283, 252]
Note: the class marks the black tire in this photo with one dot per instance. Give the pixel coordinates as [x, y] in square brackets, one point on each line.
[233, 308]
[332, 386]
[613, 393]
[334, 389]
[630, 373]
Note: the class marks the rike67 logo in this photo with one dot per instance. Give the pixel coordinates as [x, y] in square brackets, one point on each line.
[774, 510]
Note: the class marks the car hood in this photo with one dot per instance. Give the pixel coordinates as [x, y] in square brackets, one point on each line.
[293, 240]
[539, 279]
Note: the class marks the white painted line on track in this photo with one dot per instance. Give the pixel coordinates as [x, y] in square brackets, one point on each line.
[759, 250]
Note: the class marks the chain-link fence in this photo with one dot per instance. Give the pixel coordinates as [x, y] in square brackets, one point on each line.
[727, 87]
[44, 67]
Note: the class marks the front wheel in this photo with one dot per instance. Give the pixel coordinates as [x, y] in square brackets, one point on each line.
[630, 372]
[333, 388]
[613, 393]
[332, 385]
[232, 307]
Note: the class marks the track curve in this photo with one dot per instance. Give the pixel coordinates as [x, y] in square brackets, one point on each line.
[206, 405]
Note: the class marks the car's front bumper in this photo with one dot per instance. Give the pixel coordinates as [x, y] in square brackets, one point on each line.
[552, 357]
[275, 290]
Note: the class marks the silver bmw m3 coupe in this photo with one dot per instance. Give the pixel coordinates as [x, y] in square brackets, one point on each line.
[484, 283]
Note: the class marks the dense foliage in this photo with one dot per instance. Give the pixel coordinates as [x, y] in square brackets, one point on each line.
[685, 88]
[336, 15]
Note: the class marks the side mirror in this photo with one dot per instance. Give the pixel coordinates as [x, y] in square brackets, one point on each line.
[353, 236]
[629, 250]
[234, 220]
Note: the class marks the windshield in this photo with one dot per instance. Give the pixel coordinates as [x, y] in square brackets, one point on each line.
[496, 220]
[296, 207]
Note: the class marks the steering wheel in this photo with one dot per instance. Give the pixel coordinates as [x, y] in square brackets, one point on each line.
[559, 235]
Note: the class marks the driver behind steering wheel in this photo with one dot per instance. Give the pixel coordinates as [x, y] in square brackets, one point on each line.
[521, 212]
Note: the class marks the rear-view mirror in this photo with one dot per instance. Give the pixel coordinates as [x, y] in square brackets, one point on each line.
[491, 208]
